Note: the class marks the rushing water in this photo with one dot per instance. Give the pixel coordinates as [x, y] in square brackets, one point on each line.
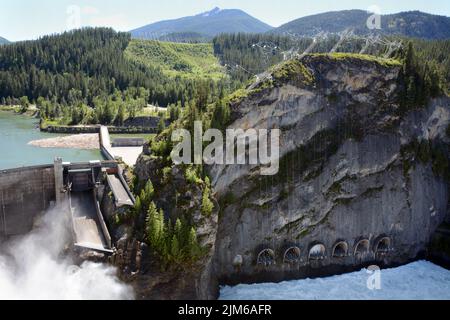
[420, 280]
[32, 267]
[15, 133]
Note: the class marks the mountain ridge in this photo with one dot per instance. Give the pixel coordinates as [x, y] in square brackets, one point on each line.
[4, 41]
[207, 25]
[416, 24]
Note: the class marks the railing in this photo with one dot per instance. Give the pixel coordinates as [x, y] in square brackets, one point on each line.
[125, 185]
[101, 220]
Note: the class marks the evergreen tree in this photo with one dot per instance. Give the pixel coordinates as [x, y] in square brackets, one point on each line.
[207, 204]
[120, 118]
[221, 116]
[161, 125]
[138, 206]
[175, 249]
[155, 227]
[192, 244]
[24, 103]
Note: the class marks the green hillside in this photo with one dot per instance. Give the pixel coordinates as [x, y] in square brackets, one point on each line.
[177, 59]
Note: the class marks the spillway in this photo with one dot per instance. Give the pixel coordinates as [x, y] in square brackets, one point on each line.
[78, 190]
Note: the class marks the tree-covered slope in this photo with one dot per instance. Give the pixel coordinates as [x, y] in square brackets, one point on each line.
[84, 76]
[247, 55]
[89, 60]
[3, 41]
[411, 24]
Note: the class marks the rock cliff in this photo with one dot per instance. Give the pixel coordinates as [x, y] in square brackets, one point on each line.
[363, 177]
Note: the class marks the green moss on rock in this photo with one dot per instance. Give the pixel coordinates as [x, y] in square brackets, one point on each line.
[293, 71]
[341, 56]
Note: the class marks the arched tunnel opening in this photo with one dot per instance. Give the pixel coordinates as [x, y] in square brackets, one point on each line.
[340, 249]
[362, 248]
[292, 255]
[383, 246]
[317, 252]
[266, 257]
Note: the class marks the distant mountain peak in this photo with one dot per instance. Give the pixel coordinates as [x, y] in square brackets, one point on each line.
[3, 41]
[211, 13]
[205, 25]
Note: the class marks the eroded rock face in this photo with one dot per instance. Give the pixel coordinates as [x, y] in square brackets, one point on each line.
[345, 176]
[139, 266]
[354, 184]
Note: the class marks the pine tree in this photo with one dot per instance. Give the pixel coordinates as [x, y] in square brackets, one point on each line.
[192, 244]
[147, 194]
[207, 204]
[24, 103]
[178, 230]
[149, 189]
[138, 205]
[120, 118]
[161, 125]
[221, 116]
[155, 227]
[175, 249]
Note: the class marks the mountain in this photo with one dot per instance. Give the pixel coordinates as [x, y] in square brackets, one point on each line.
[411, 24]
[3, 41]
[204, 25]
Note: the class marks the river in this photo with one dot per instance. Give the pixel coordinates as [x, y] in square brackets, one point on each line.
[15, 133]
[421, 280]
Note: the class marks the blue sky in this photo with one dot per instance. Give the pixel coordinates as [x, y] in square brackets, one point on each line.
[29, 19]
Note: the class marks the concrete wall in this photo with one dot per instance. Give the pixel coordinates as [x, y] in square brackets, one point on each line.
[24, 193]
[94, 129]
[105, 143]
[128, 142]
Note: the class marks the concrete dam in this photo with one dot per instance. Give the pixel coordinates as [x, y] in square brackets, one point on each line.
[79, 190]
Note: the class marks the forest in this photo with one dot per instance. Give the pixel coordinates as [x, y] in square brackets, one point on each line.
[83, 76]
[97, 75]
[247, 55]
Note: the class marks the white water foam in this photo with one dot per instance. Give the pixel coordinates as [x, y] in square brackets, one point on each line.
[420, 280]
[31, 268]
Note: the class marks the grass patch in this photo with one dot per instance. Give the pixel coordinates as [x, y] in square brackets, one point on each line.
[177, 59]
[293, 71]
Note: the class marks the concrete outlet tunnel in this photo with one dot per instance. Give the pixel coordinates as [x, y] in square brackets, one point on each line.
[291, 254]
[266, 258]
[340, 249]
[362, 248]
[317, 252]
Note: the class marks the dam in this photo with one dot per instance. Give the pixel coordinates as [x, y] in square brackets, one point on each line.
[78, 190]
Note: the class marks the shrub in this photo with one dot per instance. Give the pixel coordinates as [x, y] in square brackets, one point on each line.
[207, 204]
[191, 176]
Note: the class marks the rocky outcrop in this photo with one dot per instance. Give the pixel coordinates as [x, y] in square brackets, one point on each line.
[140, 266]
[349, 174]
[363, 178]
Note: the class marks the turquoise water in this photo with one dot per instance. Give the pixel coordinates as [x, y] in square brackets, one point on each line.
[15, 133]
